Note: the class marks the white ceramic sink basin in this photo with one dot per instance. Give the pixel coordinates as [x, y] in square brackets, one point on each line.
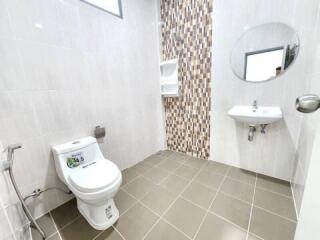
[252, 116]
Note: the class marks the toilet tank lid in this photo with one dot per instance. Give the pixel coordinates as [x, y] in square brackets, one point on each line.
[73, 145]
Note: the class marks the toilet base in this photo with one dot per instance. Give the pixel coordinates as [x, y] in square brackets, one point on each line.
[100, 216]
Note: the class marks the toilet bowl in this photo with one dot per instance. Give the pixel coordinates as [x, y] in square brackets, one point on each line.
[93, 180]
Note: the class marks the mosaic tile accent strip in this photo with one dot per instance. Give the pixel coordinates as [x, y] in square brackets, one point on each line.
[187, 34]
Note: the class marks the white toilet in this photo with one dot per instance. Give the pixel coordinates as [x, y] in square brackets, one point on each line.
[93, 179]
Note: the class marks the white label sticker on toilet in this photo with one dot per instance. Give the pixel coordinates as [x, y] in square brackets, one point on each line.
[109, 212]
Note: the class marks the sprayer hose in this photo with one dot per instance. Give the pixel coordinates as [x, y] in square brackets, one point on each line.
[24, 206]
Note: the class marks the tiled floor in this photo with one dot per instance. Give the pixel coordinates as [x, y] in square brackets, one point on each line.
[170, 196]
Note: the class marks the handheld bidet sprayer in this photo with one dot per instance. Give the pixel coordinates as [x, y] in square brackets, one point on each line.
[10, 152]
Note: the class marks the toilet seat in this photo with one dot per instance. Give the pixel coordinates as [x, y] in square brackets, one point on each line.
[94, 176]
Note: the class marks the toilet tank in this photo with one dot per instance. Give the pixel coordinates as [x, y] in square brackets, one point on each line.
[71, 155]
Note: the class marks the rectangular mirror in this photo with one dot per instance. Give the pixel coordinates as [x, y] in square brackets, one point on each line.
[111, 6]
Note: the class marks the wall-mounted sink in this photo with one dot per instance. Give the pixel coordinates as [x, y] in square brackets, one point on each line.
[254, 115]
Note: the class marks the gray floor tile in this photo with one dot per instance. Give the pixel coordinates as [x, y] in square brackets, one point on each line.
[109, 234]
[47, 224]
[139, 187]
[242, 175]
[276, 203]
[141, 167]
[253, 237]
[35, 236]
[158, 199]
[215, 228]
[170, 165]
[181, 157]
[186, 172]
[156, 174]
[232, 209]
[195, 162]
[271, 227]
[53, 237]
[137, 219]
[199, 194]
[59, 214]
[154, 159]
[174, 184]
[163, 231]
[238, 190]
[128, 175]
[185, 216]
[166, 153]
[216, 167]
[274, 185]
[211, 180]
[79, 229]
[136, 222]
[124, 201]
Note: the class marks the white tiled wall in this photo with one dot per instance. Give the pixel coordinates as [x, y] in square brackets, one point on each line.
[65, 68]
[310, 123]
[273, 153]
[309, 218]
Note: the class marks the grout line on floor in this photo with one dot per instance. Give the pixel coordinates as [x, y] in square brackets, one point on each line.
[122, 186]
[265, 189]
[294, 201]
[137, 200]
[214, 172]
[173, 226]
[252, 204]
[277, 193]
[205, 209]
[228, 221]
[69, 223]
[163, 180]
[207, 186]
[55, 226]
[212, 201]
[189, 182]
[256, 236]
[214, 213]
[162, 219]
[275, 214]
[174, 201]
[261, 208]
[234, 197]
[151, 210]
[119, 233]
[140, 174]
[122, 237]
[195, 204]
[243, 182]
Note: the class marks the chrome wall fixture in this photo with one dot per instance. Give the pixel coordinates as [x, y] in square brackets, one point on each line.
[8, 167]
[252, 130]
[8, 164]
[308, 103]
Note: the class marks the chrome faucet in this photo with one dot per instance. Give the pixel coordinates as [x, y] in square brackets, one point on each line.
[255, 105]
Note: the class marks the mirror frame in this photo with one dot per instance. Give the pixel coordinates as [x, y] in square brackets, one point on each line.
[251, 28]
[105, 10]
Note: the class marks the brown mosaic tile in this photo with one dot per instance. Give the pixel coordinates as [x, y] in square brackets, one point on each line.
[187, 35]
